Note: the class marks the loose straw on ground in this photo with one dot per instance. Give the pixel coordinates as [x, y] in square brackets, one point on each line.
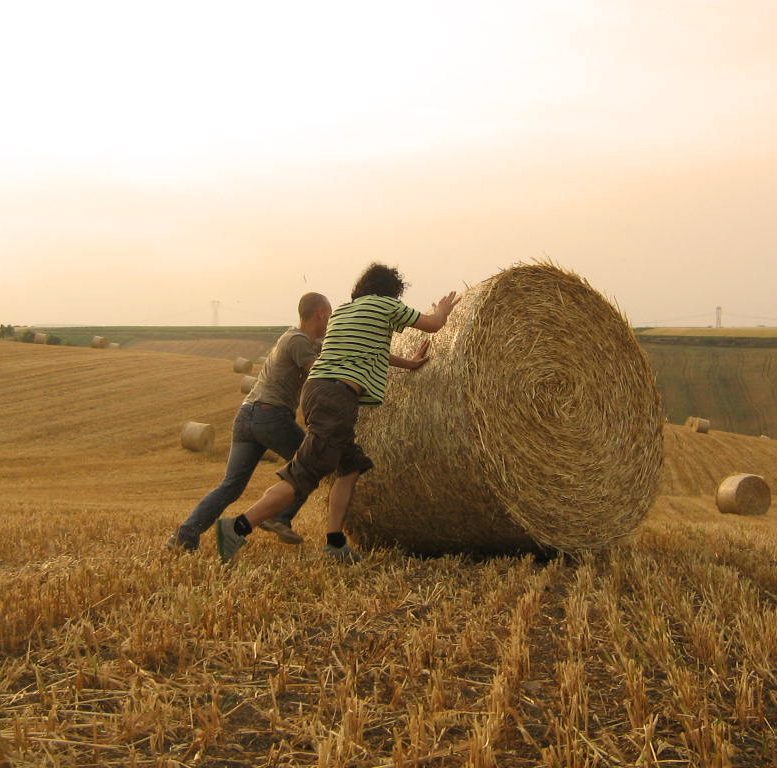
[536, 421]
[242, 365]
[196, 436]
[743, 494]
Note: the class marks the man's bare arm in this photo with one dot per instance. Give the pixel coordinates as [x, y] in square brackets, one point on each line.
[432, 323]
[411, 363]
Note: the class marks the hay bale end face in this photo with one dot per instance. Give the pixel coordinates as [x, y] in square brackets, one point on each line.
[536, 422]
[242, 365]
[698, 424]
[196, 436]
[743, 494]
[247, 384]
[99, 342]
[41, 338]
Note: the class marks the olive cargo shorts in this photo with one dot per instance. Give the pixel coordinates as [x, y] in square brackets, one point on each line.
[330, 409]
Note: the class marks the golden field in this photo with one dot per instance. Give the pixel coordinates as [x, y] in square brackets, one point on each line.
[659, 652]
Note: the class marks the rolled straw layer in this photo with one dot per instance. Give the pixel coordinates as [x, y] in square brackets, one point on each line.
[536, 422]
[196, 436]
[743, 494]
[247, 384]
[242, 365]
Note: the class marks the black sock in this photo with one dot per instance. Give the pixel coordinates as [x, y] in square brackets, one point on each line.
[336, 539]
[242, 526]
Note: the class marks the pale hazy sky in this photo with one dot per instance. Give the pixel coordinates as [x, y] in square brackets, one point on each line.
[155, 156]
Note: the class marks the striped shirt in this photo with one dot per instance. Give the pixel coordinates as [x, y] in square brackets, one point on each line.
[358, 342]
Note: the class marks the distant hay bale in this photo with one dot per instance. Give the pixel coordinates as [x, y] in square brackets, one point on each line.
[536, 422]
[247, 384]
[698, 424]
[242, 365]
[99, 342]
[41, 338]
[196, 436]
[766, 437]
[114, 345]
[743, 494]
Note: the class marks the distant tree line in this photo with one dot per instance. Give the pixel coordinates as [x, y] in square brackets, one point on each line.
[9, 332]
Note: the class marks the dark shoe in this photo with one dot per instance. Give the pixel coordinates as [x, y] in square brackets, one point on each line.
[342, 554]
[227, 541]
[282, 531]
[176, 543]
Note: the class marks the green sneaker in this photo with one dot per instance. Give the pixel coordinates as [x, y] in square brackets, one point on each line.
[227, 541]
[342, 554]
[283, 532]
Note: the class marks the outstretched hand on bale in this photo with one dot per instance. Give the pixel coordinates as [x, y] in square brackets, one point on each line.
[411, 363]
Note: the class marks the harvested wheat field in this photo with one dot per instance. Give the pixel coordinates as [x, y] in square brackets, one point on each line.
[660, 651]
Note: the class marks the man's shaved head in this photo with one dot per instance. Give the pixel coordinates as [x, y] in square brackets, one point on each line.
[310, 303]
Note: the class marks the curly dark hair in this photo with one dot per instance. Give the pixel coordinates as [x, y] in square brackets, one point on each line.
[379, 280]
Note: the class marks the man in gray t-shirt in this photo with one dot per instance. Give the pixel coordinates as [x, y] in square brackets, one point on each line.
[266, 419]
[285, 370]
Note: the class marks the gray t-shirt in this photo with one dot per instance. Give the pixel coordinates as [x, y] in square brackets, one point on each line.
[280, 380]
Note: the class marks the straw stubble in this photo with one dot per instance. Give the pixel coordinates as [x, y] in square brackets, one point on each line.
[536, 422]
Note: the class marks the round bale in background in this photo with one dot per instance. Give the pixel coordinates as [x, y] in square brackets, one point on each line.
[743, 495]
[247, 384]
[698, 424]
[114, 345]
[196, 436]
[41, 338]
[99, 342]
[242, 365]
[536, 421]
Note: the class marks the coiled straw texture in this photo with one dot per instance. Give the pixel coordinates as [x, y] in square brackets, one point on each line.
[536, 423]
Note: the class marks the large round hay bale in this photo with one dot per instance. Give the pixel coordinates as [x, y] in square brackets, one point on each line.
[242, 365]
[247, 384]
[698, 424]
[536, 422]
[41, 338]
[99, 342]
[743, 494]
[196, 436]
[114, 345]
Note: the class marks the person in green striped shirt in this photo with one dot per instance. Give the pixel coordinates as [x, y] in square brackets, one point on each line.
[351, 371]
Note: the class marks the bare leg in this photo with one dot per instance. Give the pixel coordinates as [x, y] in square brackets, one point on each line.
[275, 499]
[339, 498]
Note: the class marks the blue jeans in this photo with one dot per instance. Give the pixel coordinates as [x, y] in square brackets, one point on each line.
[253, 432]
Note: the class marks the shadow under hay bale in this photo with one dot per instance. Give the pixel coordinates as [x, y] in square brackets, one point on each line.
[242, 365]
[247, 384]
[536, 422]
[743, 494]
[698, 424]
[196, 436]
[99, 342]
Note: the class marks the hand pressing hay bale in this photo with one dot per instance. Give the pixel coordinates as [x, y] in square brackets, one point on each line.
[743, 494]
[536, 422]
[698, 424]
[41, 338]
[242, 365]
[196, 436]
[99, 342]
[247, 384]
